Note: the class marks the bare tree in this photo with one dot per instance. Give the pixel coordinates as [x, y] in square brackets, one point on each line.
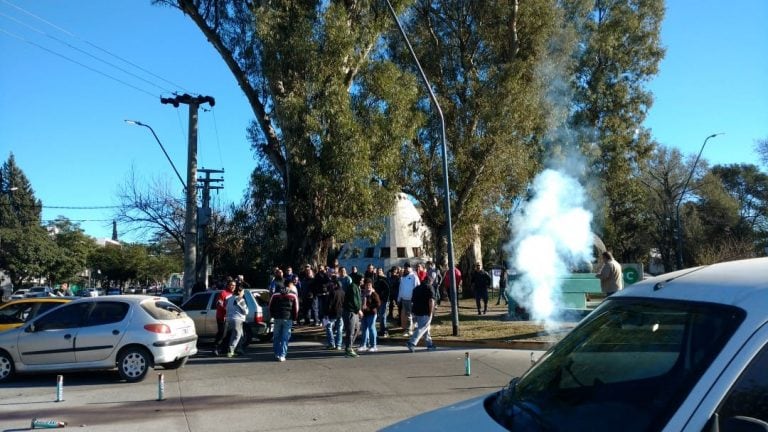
[151, 211]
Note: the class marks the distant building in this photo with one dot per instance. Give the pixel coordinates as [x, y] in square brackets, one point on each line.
[403, 240]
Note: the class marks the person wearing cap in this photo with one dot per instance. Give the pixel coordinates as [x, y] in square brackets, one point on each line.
[408, 281]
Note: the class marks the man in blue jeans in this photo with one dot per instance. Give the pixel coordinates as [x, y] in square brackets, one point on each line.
[332, 317]
[284, 308]
[423, 301]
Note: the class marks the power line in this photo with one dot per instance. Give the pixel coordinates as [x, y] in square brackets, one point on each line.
[94, 45]
[86, 53]
[77, 62]
[63, 207]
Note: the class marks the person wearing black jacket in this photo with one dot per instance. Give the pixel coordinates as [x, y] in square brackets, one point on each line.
[284, 309]
[332, 317]
[481, 282]
[381, 286]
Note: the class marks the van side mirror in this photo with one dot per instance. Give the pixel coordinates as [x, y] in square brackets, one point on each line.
[736, 424]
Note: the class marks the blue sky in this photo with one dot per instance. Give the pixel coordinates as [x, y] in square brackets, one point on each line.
[64, 122]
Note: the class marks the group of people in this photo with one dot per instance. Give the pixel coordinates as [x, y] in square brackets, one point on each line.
[354, 304]
[351, 304]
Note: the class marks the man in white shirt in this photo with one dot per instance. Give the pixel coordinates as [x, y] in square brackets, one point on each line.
[408, 281]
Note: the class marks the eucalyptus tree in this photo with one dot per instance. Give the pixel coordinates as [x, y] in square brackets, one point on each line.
[484, 60]
[329, 109]
[618, 53]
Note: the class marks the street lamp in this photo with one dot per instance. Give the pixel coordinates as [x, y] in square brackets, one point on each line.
[138, 123]
[446, 186]
[680, 200]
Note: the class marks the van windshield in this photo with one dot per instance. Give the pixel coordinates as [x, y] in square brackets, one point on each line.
[628, 367]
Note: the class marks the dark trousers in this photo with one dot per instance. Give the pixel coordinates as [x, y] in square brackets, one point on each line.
[481, 294]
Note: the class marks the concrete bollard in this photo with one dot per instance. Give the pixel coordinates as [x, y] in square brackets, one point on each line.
[59, 388]
[47, 424]
[160, 387]
[467, 365]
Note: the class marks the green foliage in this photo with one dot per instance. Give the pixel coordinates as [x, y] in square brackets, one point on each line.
[72, 250]
[325, 118]
[18, 205]
[619, 52]
[483, 60]
[747, 186]
[26, 252]
[132, 262]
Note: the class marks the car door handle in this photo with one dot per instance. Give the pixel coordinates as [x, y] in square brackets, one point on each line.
[115, 332]
[67, 336]
[204, 313]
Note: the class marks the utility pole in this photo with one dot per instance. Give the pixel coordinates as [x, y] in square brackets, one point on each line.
[203, 219]
[190, 219]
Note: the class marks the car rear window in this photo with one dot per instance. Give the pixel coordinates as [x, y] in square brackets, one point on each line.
[161, 309]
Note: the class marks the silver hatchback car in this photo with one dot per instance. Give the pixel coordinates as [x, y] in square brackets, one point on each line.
[131, 333]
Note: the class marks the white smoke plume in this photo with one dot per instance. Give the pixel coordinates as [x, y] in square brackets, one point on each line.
[552, 237]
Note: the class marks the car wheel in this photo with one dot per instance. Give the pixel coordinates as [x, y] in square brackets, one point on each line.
[176, 364]
[264, 337]
[133, 364]
[6, 366]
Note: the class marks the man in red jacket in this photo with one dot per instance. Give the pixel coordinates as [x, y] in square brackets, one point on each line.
[221, 316]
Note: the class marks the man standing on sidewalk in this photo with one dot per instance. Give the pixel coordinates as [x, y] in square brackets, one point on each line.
[351, 313]
[220, 343]
[408, 281]
[284, 309]
[423, 308]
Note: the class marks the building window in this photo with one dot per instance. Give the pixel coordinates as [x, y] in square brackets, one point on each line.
[369, 252]
[385, 253]
[417, 252]
[355, 253]
[401, 253]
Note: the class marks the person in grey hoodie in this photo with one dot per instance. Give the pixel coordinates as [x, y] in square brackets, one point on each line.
[237, 310]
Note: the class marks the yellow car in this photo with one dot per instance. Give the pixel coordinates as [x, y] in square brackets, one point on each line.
[16, 312]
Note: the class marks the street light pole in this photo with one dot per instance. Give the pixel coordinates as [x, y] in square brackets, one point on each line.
[138, 123]
[446, 186]
[680, 200]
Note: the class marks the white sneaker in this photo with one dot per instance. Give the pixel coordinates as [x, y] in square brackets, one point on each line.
[362, 349]
[373, 349]
[282, 359]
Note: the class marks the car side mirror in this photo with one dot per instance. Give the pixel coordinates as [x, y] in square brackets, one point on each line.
[30, 328]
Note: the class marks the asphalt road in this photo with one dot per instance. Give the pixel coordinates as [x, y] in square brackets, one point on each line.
[314, 390]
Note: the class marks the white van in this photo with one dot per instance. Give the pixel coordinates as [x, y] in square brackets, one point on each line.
[681, 352]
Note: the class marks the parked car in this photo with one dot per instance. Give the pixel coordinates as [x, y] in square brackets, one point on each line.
[686, 351]
[201, 307]
[130, 333]
[175, 295]
[16, 312]
[89, 292]
[113, 291]
[19, 294]
[40, 291]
